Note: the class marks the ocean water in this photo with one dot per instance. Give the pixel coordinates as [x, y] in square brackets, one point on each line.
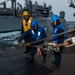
[10, 38]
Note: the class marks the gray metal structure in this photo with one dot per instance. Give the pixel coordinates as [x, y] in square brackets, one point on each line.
[9, 21]
[62, 19]
[72, 4]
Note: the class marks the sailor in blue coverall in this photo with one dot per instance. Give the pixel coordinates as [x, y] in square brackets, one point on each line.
[37, 33]
[57, 28]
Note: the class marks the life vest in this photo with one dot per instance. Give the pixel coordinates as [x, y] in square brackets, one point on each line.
[26, 25]
[36, 35]
[54, 32]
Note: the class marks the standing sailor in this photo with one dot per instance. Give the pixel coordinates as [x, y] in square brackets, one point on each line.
[25, 27]
[57, 28]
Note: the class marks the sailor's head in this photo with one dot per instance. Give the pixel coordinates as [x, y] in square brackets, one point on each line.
[26, 15]
[55, 20]
[34, 24]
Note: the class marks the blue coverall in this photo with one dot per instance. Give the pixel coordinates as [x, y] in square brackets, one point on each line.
[58, 39]
[35, 36]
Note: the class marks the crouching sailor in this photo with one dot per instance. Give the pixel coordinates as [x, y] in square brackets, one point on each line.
[37, 33]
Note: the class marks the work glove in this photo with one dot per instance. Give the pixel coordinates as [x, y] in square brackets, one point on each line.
[20, 41]
[21, 44]
[27, 44]
[67, 43]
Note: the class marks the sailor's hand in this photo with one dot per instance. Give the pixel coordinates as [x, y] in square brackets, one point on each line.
[66, 43]
[27, 44]
[21, 44]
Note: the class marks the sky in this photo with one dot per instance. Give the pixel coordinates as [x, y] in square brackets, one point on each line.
[57, 6]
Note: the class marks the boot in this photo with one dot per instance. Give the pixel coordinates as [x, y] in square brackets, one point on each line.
[55, 66]
[30, 59]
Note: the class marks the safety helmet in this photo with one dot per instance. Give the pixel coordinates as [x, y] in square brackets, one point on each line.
[25, 13]
[34, 22]
[54, 18]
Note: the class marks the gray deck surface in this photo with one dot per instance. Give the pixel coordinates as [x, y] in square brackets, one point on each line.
[13, 62]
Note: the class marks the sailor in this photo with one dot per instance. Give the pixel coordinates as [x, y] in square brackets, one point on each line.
[36, 33]
[57, 28]
[25, 27]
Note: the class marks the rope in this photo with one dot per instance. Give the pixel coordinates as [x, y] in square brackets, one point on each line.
[48, 38]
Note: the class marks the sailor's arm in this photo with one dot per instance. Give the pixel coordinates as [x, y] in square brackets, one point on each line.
[25, 34]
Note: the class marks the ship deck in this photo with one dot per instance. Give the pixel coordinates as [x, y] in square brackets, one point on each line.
[13, 62]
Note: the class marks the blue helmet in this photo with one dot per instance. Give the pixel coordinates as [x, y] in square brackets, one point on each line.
[54, 18]
[34, 22]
